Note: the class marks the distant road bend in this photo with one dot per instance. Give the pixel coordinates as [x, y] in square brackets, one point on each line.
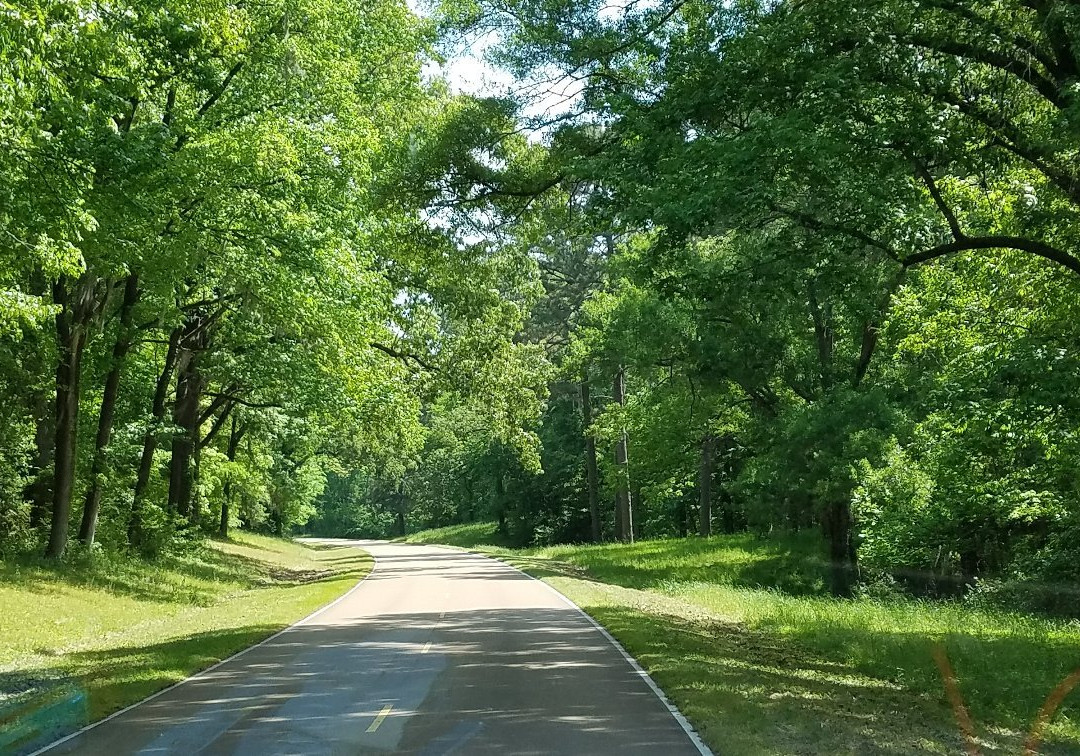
[437, 652]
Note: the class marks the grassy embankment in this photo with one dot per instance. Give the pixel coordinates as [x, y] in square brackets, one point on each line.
[738, 632]
[119, 630]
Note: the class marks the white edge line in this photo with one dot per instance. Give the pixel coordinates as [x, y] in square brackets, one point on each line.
[214, 666]
[691, 733]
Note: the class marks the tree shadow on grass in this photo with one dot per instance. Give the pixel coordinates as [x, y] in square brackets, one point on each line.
[115, 678]
[1003, 678]
[752, 692]
[197, 579]
[168, 580]
[789, 564]
[470, 536]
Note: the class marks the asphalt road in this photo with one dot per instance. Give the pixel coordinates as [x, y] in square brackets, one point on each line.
[436, 652]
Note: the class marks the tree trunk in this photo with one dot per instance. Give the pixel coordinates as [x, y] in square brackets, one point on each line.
[840, 537]
[592, 473]
[638, 500]
[223, 522]
[727, 512]
[195, 505]
[71, 325]
[185, 415]
[684, 516]
[236, 433]
[150, 440]
[39, 491]
[705, 475]
[92, 504]
[500, 504]
[624, 508]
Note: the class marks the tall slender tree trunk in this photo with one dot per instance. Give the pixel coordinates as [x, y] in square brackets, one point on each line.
[39, 491]
[637, 500]
[592, 473]
[705, 475]
[195, 505]
[92, 503]
[226, 501]
[72, 322]
[402, 504]
[150, 439]
[236, 433]
[684, 516]
[727, 512]
[624, 507]
[500, 503]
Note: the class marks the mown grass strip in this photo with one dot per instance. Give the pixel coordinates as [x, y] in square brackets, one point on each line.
[120, 630]
[737, 631]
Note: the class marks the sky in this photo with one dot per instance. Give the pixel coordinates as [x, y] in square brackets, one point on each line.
[467, 72]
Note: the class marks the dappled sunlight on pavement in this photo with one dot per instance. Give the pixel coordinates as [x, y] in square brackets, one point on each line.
[436, 651]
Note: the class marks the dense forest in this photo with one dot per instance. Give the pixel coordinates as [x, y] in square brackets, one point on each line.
[767, 266]
[218, 280]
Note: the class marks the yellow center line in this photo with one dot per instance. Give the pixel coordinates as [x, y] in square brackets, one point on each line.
[379, 719]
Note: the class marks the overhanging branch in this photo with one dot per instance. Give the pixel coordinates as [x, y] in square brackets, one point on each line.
[404, 356]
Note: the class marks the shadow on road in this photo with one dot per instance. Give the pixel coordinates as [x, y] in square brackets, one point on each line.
[521, 681]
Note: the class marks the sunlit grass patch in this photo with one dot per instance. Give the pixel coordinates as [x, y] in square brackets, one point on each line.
[739, 632]
[466, 536]
[122, 629]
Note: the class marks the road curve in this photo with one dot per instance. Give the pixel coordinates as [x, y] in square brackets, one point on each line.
[436, 652]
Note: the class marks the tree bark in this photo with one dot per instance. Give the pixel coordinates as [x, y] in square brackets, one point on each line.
[150, 439]
[39, 491]
[187, 412]
[824, 336]
[705, 475]
[185, 415]
[195, 502]
[500, 504]
[624, 507]
[727, 513]
[684, 515]
[402, 503]
[592, 473]
[839, 534]
[72, 322]
[236, 433]
[92, 503]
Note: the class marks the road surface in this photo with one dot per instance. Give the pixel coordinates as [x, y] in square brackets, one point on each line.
[436, 652]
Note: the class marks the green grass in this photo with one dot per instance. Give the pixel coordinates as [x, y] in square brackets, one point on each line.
[738, 632]
[472, 535]
[120, 630]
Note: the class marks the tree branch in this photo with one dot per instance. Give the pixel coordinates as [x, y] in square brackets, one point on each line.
[219, 423]
[1018, 68]
[1032, 246]
[816, 224]
[404, 356]
[869, 343]
[950, 216]
[245, 403]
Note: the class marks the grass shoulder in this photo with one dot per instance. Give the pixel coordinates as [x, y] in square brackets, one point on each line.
[115, 630]
[738, 631]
